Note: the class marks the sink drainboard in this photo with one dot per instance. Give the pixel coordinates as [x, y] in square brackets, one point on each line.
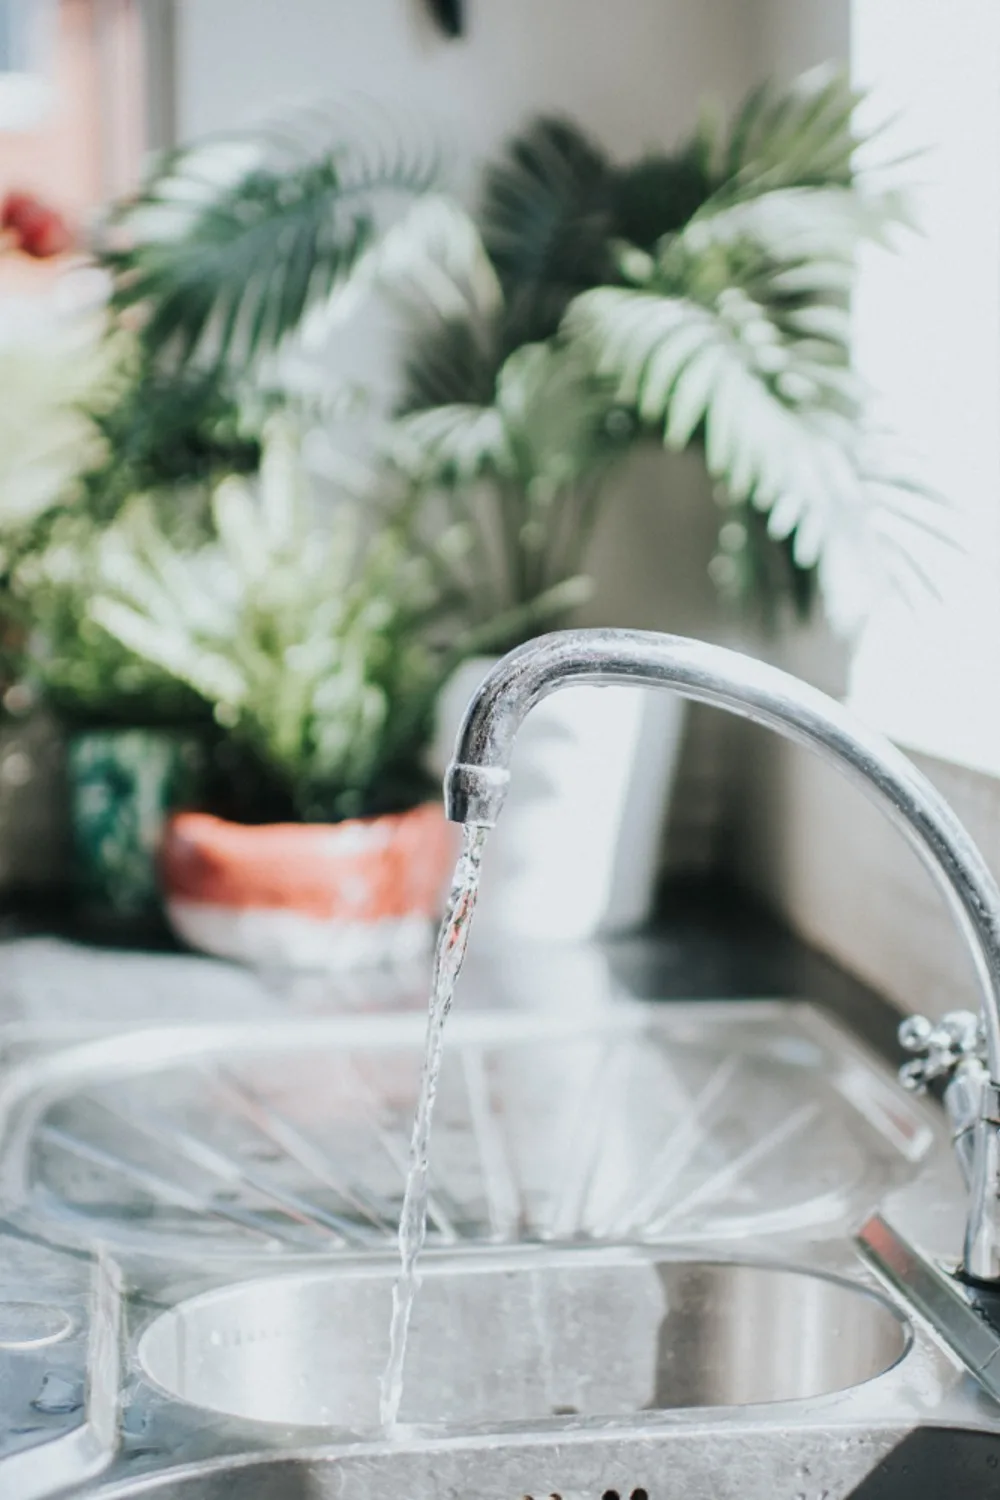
[716, 1121]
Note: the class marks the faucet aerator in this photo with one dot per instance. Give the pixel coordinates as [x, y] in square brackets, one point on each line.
[474, 795]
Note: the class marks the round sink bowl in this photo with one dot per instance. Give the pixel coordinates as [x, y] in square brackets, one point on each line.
[496, 1339]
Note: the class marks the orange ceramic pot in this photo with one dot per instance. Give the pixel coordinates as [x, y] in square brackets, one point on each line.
[308, 895]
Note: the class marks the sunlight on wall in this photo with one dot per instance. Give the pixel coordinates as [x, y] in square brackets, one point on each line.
[928, 340]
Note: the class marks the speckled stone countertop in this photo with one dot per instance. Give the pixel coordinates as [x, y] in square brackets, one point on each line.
[708, 943]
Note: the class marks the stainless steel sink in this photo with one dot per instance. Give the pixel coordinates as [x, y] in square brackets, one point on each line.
[641, 1278]
[502, 1339]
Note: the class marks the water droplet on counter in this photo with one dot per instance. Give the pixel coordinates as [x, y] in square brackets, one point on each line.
[134, 1421]
[58, 1396]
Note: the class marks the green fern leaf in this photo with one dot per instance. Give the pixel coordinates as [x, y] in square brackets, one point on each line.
[803, 137]
[212, 676]
[226, 270]
[649, 379]
[545, 217]
[452, 444]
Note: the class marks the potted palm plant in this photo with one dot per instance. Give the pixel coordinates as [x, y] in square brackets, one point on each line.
[135, 739]
[311, 647]
[696, 298]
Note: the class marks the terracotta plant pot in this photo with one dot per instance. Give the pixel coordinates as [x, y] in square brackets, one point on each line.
[310, 895]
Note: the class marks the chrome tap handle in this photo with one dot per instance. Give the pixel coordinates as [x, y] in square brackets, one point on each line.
[939, 1047]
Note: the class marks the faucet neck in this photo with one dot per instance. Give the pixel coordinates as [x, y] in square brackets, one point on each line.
[476, 784]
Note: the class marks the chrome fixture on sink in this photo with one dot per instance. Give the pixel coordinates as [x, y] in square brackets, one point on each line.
[962, 1050]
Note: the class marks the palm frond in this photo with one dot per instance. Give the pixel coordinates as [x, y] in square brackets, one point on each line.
[452, 445]
[226, 266]
[556, 412]
[730, 347]
[545, 426]
[450, 363]
[803, 136]
[434, 270]
[546, 221]
[657, 195]
[434, 264]
[753, 571]
[522, 473]
[821, 224]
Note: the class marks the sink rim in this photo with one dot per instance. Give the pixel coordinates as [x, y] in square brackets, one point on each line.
[473, 1256]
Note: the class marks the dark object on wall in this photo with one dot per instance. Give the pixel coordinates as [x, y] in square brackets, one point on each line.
[449, 15]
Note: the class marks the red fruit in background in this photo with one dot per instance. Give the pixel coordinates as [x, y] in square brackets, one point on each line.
[37, 229]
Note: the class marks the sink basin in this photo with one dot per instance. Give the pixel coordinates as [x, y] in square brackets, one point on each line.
[516, 1339]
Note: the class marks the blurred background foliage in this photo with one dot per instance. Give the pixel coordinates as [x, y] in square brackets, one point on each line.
[699, 298]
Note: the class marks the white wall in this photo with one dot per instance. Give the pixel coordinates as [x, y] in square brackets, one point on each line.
[633, 71]
[928, 341]
[793, 35]
[927, 333]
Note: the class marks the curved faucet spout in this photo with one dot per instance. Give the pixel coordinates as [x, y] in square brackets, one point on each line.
[476, 784]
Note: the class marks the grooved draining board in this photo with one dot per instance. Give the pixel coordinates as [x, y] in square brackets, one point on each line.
[626, 1122]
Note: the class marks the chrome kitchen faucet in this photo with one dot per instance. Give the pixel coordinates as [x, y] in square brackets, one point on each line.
[962, 1049]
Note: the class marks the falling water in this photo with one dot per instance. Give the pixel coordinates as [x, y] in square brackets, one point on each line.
[452, 942]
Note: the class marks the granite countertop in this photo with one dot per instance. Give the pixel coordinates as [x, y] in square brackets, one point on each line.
[709, 942]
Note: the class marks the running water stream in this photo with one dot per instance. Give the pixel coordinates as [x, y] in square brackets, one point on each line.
[452, 942]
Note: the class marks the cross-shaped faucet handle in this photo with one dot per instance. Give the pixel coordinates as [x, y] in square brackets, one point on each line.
[940, 1047]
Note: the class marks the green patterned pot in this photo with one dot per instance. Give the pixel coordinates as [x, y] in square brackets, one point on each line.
[123, 784]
